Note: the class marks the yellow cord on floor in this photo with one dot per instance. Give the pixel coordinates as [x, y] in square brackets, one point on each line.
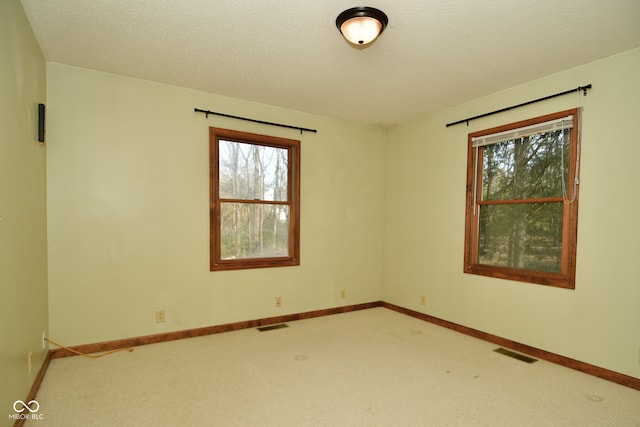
[91, 356]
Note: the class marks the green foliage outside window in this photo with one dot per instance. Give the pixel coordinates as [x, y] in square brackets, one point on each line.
[526, 234]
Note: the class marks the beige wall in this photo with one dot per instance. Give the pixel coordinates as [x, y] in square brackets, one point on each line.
[23, 262]
[598, 322]
[128, 211]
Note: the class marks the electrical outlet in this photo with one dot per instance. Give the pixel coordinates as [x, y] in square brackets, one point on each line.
[278, 301]
[160, 316]
[423, 300]
[343, 294]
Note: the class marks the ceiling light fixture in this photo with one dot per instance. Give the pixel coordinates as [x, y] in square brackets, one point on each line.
[361, 25]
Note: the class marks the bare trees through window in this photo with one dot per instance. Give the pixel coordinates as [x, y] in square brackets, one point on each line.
[254, 200]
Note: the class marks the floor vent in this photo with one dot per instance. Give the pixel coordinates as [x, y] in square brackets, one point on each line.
[515, 355]
[272, 327]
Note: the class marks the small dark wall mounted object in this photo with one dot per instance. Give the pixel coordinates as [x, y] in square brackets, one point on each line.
[41, 109]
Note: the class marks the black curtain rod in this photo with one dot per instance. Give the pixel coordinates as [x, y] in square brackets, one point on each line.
[578, 89]
[207, 112]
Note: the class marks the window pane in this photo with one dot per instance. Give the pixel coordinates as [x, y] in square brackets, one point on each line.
[250, 230]
[252, 172]
[527, 167]
[526, 236]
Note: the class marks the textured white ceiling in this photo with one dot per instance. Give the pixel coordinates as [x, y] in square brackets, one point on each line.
[288, 53]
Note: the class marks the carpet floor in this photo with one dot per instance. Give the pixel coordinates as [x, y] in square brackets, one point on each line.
[372, 367]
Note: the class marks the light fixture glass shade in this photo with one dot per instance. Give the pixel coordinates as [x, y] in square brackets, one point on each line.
[361, 30]
[361, 25]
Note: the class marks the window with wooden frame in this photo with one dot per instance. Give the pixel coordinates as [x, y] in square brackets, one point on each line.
[522, 200]
[254, 200]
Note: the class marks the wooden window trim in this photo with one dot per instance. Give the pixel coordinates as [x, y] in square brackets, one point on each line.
[566, 277]
[293, 201]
